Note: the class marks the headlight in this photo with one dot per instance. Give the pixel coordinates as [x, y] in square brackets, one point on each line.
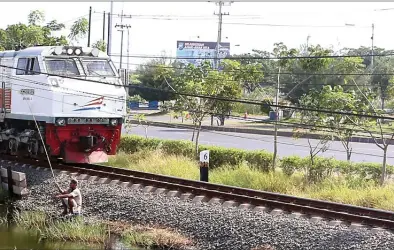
[70, 51]
[77, 52]
[95, 52]
[113, 122]
[60, 121]
[58, 50]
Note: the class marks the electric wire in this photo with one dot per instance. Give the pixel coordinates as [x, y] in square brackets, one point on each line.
[283, 143]
[212, 97]
[289, 124]
[257, 57]
[268, 73]
[291, 144]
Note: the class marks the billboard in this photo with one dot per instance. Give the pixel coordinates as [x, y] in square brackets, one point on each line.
[195, 52]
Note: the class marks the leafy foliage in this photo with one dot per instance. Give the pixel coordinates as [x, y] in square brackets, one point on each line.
[22, 35]
[79, 29]
[36, 17]
[101, 45]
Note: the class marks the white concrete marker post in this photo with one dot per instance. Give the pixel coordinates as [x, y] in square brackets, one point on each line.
[204, 165]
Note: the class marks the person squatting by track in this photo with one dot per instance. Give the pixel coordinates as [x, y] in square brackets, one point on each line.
[71, 199]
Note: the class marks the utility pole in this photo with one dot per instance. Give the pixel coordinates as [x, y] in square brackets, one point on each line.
[122, 27]
[128, 51]
[110, 21]
[90, 24]
[219, 39]
[307, 43]
[109, 36]
[372, 37]
[276, 121]
[104, 26]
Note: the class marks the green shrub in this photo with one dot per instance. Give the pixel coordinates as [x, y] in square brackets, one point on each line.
[292, 164]
[259, 159]
[184, 148]
[219, 156]
[321, 169]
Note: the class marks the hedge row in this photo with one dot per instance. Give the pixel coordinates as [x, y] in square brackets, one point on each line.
[259, 159]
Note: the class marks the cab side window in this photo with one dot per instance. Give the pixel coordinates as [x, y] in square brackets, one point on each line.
[22, 65]
[28, 66]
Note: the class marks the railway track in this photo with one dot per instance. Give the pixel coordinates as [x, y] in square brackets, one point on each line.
[340, 213]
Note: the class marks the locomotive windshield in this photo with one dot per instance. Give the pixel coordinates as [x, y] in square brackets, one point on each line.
[97, 67]
[65, 67]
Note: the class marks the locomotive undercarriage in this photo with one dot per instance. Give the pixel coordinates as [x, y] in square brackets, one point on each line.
[70, 144]
[21, 137]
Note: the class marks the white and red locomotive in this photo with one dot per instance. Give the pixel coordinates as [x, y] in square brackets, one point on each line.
[73, 93]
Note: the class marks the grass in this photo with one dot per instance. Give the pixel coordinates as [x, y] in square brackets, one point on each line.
[58, 230]
[350, 190]
[76, 230]
[157, 163]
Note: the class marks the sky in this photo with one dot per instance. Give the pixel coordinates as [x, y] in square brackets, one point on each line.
[148, 36]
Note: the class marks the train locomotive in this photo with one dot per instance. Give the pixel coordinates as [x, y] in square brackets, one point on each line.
[71, 98]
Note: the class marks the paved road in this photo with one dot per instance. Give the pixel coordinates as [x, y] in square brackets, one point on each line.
[362, 152]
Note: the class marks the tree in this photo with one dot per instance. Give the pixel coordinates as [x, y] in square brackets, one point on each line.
[369, 125]
[36, 17]
[154, 74]
[336, 100]
[203, 80]
[380, 80]
[101, 45]
[312, 120]
[79, 29]
[21, 35]
[249, 75]
[55, 26]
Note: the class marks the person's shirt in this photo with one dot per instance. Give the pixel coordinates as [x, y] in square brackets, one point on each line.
[76, 194]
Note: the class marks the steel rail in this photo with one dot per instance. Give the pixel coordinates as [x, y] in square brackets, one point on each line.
[325, 209]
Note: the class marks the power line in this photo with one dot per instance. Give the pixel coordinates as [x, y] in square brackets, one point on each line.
[259, 57]
[295, 25]
[177, 17]
[216, 97]
[84, 93]
[72, 104]
[215, 114]
[210, 113]
[260, 103]
[283, 143]
[275, 73]
[289, 124]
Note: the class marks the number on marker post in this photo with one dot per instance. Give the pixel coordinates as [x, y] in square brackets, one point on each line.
[204, 156]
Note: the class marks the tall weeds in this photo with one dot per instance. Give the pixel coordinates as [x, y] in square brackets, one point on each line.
[53, 229]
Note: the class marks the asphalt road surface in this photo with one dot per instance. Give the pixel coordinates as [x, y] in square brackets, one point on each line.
[362, 152]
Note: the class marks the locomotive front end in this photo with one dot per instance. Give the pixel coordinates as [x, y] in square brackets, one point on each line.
[89, 105]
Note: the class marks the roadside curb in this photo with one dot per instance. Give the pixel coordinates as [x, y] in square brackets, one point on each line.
[255, 131]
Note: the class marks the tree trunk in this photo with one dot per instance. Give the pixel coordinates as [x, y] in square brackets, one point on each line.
[275, 142]
[348, 151]
[197, 137]
[194, 131]
[348, 154]
[222, 118]
[383, 176]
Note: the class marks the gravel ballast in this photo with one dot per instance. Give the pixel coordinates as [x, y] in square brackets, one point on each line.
[211, 226]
